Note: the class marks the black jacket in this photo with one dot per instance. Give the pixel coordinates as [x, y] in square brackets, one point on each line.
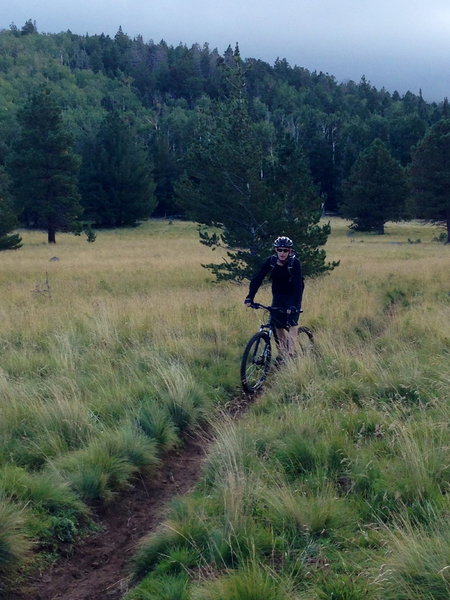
[287, 282]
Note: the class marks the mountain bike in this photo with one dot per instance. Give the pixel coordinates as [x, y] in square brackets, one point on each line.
[257, 358]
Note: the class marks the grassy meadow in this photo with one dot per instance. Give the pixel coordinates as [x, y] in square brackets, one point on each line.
[334, 484]
[106, 356]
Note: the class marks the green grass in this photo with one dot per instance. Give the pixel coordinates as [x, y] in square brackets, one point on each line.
[251, 582]
[105, 467]
[417, 561]
[334, 485]
[14, 544]
[101, 378]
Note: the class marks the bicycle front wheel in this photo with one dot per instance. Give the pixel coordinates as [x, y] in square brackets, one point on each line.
[255, 362]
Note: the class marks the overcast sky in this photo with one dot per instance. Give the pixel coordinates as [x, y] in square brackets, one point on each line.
[399, 44]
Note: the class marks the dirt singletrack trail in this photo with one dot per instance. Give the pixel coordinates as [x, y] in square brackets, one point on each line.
[98, 569]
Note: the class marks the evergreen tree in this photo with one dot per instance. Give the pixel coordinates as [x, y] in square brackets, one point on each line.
[404, 133]
[430, 175]
[376, 189]
[223, 186]
[116, 181]
[44, 167]
[227, 187]
[166, 172]
[8, 221]
[300, 206]
[29, 27]
[164, 85]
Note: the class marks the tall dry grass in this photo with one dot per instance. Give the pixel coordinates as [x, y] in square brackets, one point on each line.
[108, 352]
[339, 474]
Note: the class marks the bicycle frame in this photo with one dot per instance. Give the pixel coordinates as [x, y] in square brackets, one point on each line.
[269, 326]
[257, 357]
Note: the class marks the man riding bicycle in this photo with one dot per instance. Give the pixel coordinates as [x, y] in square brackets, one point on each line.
[287, 288]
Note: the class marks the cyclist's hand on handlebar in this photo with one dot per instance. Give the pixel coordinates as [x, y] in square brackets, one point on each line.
[248, 302]
[292, 310]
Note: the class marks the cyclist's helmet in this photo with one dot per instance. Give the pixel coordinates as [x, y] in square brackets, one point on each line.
[283, 242]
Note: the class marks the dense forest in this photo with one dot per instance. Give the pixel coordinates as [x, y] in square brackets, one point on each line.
[132, 111]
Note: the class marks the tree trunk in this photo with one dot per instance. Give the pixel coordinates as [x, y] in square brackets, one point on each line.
[51, 234]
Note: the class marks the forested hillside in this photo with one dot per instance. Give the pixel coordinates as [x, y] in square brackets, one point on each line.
[162, 88]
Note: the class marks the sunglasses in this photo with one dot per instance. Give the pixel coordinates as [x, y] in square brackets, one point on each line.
[282, 249]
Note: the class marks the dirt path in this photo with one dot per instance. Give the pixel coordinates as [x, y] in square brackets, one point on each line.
[98, 569]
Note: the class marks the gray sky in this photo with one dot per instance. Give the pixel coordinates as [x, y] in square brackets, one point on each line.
[399, 44]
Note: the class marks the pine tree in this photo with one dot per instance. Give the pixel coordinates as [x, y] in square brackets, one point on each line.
[230, 185]
[430, 175]
[44, 168]
[29, 27]
[299, 205]
[8, 221]
[117, 183]
[376, 190]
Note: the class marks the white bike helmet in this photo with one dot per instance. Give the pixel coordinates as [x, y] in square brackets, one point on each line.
[283, 242]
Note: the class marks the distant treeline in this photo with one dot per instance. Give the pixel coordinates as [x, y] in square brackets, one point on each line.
[158, 90]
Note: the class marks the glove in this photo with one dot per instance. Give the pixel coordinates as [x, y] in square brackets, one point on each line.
[248, 301]
[292, 310]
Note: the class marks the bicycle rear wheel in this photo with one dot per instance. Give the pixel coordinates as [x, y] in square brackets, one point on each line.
[305, 341]
[255, 362]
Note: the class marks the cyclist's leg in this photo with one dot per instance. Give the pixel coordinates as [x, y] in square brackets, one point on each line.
[292, 342]
[292, 333]
[283, 341]
[287, 341]
[278, 322]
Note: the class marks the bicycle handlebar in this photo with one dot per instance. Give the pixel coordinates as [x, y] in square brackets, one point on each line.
[257, 305]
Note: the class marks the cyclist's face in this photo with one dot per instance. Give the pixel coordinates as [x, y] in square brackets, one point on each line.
[283, 254]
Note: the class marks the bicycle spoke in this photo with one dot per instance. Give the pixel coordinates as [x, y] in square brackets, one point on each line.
[255, 362]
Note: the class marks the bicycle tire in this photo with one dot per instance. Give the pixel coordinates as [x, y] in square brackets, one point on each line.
[305, 341]
[255, 363]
